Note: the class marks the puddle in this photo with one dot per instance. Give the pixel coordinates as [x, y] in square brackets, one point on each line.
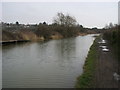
[105, 50]
[116, 76]
[103, 47]
[103, 41]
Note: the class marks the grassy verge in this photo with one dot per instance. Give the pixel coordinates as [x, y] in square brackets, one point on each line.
[86, 80]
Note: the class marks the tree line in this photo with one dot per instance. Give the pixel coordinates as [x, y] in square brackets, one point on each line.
[112, 34]
[64, 25]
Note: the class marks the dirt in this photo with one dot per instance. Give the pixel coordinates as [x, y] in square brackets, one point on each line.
[106, 66]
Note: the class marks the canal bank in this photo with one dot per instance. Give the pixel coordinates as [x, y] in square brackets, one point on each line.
[86, 79]
[100, 68]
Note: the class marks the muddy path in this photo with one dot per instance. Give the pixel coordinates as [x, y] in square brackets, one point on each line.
[106, 66]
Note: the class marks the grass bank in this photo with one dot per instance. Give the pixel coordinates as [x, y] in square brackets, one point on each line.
[86, 80]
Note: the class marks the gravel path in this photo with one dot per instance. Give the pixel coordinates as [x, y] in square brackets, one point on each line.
[106, 66]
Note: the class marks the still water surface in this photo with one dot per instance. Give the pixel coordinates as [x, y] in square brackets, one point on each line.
[52, 64]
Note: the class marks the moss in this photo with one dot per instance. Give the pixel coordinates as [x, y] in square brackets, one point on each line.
[86, 79]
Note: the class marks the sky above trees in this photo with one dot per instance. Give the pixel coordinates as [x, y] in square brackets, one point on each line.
[88, 14]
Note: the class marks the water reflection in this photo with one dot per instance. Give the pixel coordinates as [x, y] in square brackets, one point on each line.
[55, 63]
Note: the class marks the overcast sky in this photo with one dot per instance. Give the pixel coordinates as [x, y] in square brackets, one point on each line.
[88, 14]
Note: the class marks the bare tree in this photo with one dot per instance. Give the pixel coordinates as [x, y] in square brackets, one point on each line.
[106, 26]
[65, 20]
[111, 25]
[70, 21]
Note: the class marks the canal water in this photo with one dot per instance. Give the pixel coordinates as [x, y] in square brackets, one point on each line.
[51, 64]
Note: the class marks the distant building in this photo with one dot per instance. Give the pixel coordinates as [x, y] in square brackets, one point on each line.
[119, 12]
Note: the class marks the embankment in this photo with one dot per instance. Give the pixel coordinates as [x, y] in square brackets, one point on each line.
[100, 67]
[27, 35]
[19, 36]
[86, 79]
